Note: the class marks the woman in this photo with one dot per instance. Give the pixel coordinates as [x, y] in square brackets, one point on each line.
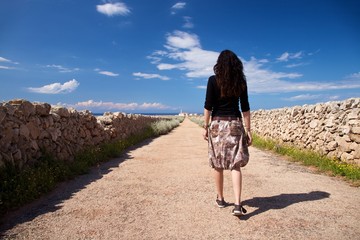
[227, 138]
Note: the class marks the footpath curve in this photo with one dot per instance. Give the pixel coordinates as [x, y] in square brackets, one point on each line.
[163, 189]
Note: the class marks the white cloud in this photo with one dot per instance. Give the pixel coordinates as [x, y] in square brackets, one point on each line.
[201, 87]
[188, 23]
[56, 88]
[179, 5]
[185, 48]
[283, 57]
[183, 52]
[307, 97]
[303, 97]
[107, 73]
[179, 39]
[107, 106]
[62, 69]
[287, 56]
[176, 7]
[150, 76]
[166, 66]
[295, 65]
[111, 9]
[354, 76]
[263, 80]
[4, 60]
[5, 67]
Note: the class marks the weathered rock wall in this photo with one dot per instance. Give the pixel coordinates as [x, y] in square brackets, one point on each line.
[27, 129]
[332, 128]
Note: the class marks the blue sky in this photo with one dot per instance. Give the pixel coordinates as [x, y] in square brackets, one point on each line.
[156, 55]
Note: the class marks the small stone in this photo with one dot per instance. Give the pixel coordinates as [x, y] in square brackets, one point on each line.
[34, 130]
[17, 155]
[356, 153]
[344, 146]
[24, 131]
[314, 123]
[346, 157]
[355, 130]
[27, 108]
[353, 115]
[2, 113]
[61, 111]
[42, 109]
[354, 146]
[354, 137]
[294, 112]
[332, 145]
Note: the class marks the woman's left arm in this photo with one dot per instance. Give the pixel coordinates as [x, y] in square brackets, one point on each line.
[247, 122]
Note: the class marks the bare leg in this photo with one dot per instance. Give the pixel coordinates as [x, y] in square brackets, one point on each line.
[219, 181]
[237, 184]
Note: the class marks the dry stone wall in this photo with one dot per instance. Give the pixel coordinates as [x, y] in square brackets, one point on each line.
[331, 128]
[27, 129]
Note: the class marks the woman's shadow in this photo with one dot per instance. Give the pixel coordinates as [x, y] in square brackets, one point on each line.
[264, 204]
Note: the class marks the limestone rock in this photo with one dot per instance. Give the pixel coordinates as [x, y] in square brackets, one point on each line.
[2, 114]
[24, 131]
[332, 145]
[355, 130]
[61, 111]
[314, 123]
[354, 137]
[42, 109]
[346, 156]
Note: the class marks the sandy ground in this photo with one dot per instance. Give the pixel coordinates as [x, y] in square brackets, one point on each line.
[164, 189]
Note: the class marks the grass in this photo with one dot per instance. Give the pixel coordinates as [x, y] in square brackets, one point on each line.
[198, 120]
[20, 186]
[310, 158]
[163, 127]
[307, 157]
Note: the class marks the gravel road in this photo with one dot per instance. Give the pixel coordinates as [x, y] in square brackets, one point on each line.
[164, 189]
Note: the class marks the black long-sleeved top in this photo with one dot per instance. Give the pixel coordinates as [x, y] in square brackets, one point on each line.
[226, 106]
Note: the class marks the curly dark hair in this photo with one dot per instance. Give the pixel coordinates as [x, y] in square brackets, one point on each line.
[229, 74]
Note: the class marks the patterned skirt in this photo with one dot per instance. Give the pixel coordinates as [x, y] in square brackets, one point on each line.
[228, 147]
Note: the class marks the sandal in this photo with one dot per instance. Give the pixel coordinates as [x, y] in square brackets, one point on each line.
[220, 203]
[238, 210]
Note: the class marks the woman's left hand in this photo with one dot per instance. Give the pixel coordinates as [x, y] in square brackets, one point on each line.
[249, 138]
[206, 135]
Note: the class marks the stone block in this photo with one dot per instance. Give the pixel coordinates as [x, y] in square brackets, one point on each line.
[26, 108]
[24, 131]
[343, 145]
[314, 123]
[3, 113]
[332, 145]
[356, 153]
[355, 130]
[346, 157]
[354, 137]
[42, 109]
[61, 111]
[354, 115]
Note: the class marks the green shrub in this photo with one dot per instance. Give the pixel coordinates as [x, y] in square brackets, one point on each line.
[198, 120]
[311, 158]
[165, 125]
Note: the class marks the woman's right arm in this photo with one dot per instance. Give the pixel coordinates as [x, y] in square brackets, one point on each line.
[206, 123]
[208, 107]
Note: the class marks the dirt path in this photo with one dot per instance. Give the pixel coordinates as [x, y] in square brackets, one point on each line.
[164, 189]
